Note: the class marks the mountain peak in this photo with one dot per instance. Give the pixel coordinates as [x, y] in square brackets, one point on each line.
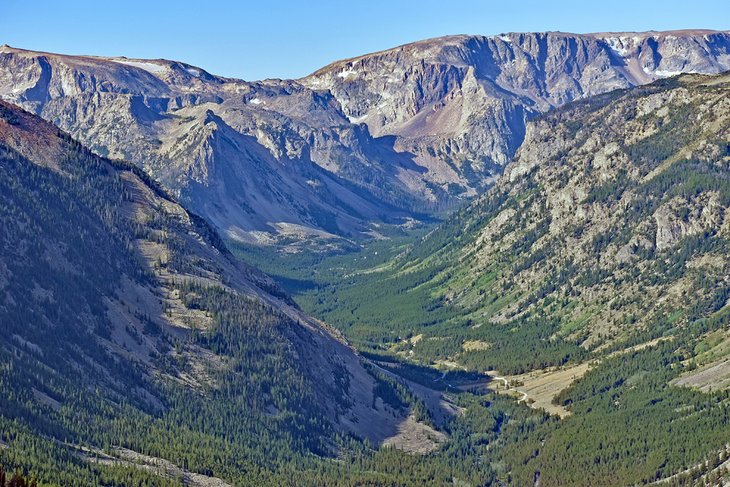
[376, 138]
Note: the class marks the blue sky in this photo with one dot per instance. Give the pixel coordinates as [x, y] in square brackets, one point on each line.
[288, 39]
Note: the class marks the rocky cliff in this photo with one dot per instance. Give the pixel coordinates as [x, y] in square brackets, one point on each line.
[460, 103]
[370, 140]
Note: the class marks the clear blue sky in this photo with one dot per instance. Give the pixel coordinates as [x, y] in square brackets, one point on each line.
[288, 39]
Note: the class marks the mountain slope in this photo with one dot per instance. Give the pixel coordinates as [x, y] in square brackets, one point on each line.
[460, 103]
[591, 280]
[127, 326]
[609, 227]
[612, 218]
[371, 140]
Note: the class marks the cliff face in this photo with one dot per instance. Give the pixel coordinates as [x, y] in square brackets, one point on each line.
[460, 103]
[612, 218]
[362, 141]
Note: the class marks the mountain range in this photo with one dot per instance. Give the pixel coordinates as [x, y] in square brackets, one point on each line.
[565, 323]
[384, 138]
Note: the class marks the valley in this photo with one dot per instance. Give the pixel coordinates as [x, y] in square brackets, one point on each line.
[445, 298]
[468, 260]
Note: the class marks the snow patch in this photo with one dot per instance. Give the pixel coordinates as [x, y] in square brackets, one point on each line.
[193, 71]
[618, 45]
[358, 119]
[347, 72]
[664, 73]
[255, 101]
[506, 39]
[149, 67]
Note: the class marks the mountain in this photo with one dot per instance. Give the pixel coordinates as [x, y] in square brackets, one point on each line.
[591, 281]
[609, 226]
[132, 336]
[568, 327]
[459, 103]
[258, 160]
[378, 139]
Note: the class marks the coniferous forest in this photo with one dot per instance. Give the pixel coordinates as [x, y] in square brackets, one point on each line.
[565, 324]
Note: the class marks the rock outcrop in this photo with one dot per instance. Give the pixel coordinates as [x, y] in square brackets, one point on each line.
[373, 139]
[460, 103]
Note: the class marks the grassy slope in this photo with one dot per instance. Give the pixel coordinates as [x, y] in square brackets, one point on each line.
[525, 275]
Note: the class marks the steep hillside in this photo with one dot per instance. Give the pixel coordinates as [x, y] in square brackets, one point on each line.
[608, 228]
[130, 332]
[612, 217]
[376, 139]
[459, 103]
[259, 160]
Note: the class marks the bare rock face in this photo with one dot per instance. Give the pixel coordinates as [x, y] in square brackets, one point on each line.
[616, 207]
[372, 139]
[676, 222]
[460, 103]
[260, 160]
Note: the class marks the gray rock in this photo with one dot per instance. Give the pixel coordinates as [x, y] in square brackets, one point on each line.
[373, 139]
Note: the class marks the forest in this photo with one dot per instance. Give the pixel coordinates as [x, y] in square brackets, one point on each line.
[231, 394]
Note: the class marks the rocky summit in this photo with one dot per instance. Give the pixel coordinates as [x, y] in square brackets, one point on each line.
[377, 139]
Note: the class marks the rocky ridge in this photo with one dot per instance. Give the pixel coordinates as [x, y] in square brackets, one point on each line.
[368, 140]
[150, 279]
[460, 103]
